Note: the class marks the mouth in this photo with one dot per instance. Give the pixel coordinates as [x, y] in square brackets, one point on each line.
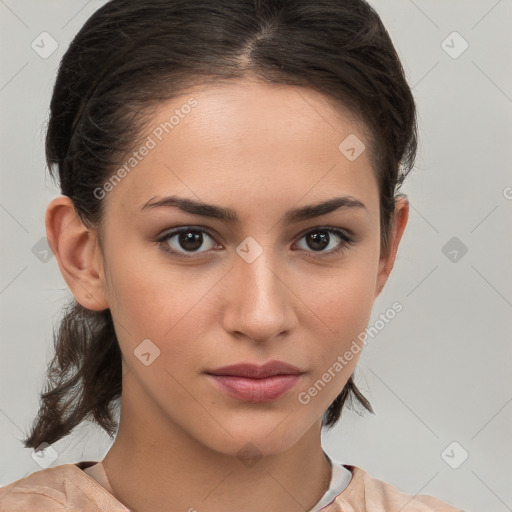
[253, 383]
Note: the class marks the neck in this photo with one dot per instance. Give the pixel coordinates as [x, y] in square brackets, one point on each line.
[152, 469]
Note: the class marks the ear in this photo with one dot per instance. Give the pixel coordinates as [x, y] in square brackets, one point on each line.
[77, 252]
[397, 227]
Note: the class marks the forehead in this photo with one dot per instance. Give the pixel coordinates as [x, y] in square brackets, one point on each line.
[248, 140]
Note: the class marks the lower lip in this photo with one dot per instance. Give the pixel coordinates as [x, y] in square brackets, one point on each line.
[255, 390]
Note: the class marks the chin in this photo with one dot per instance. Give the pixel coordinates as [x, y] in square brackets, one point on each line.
[252, 438]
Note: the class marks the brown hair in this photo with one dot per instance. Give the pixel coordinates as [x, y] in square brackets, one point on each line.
[128, 58]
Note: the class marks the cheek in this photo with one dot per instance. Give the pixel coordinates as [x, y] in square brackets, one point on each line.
[346, 310]
[349, 302]
[165, 303]
[147, 288]
[342, 299]
[343, 305]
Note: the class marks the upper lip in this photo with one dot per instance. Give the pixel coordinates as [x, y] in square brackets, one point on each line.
[255, 371]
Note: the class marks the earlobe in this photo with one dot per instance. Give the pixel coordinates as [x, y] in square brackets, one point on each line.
[76, 251]
[398, 223]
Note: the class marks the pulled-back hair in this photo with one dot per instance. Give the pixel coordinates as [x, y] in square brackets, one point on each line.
[128, 58]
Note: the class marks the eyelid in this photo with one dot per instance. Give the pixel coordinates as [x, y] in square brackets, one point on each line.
[346, 236]
[347, 239]
[346, 232]
[168, 235]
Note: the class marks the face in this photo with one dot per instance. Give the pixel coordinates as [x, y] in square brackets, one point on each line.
[254, 287]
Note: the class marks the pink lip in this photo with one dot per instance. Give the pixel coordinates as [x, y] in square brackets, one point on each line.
[252, 383]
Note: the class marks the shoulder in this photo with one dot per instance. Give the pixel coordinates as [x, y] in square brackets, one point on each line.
[42, 490]
[54, 489]
[366, 493]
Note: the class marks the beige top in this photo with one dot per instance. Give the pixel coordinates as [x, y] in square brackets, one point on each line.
[69, 487]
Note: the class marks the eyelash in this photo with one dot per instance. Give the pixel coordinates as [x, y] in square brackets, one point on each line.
[346, 241]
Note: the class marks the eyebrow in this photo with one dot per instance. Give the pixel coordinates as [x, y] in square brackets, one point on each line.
[228, 215]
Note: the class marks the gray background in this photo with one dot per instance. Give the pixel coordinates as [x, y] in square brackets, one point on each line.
[439, 373]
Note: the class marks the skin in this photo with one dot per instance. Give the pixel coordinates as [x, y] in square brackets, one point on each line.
[261, 150]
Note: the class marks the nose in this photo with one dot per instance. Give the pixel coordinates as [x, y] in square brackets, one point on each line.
[258, 302]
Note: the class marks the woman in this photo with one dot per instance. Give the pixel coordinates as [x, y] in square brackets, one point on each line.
[229, 213]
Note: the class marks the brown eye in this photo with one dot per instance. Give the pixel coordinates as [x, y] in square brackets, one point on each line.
[320, 239]
[190, 240]
[187, 239]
